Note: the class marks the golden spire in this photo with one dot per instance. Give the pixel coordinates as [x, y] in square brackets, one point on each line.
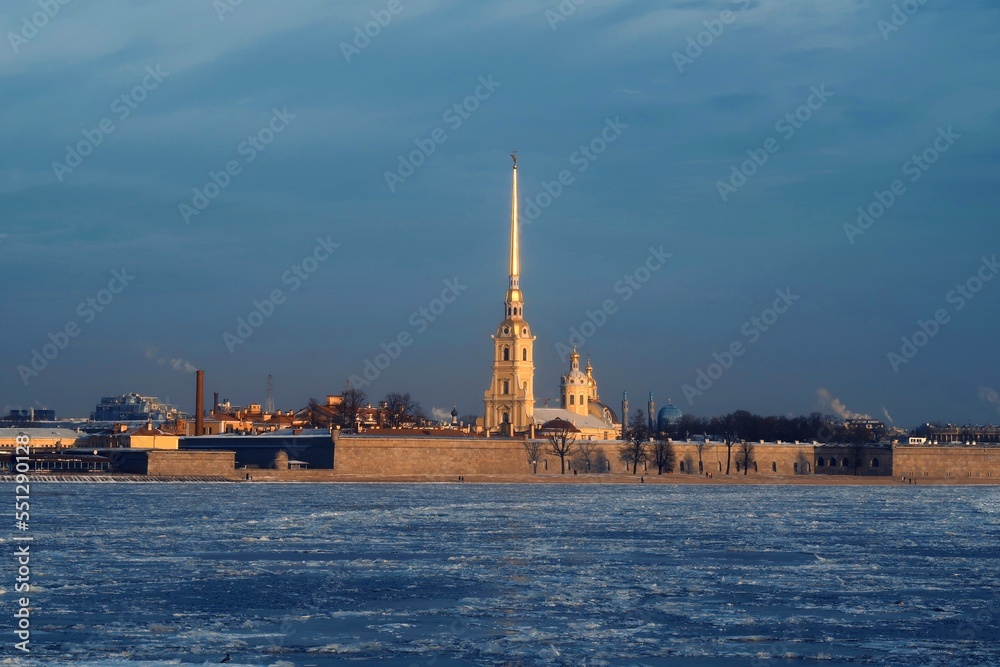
[515, 267]
[515, 305]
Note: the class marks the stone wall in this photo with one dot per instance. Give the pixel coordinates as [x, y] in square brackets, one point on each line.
[400, 457]
[172, 463]
[954, 461]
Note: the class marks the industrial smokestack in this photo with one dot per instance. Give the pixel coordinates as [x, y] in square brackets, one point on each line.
[215, 402]
[199, 403]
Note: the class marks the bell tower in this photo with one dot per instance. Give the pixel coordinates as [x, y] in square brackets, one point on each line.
[510, 399]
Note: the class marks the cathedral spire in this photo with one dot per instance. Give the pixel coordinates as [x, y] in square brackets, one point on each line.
[515, 304]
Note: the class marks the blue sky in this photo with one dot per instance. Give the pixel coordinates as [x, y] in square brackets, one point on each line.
[686, 117]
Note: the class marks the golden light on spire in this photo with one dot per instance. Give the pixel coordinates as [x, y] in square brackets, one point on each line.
[515, 263]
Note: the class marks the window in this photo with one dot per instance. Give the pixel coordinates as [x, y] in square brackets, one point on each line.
[819, 462]
[774, 466]
[506, 354]
[875, 462]
[846, 463]
[506, 418]
[524, 354]
[572, 398]
[506, 386]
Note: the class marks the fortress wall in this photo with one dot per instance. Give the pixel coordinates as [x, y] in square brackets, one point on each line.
[957, 462]
[772, 459]
[386, 456]
[446, 457]
[173, 463]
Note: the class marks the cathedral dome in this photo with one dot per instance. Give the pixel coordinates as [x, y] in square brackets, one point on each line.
[668, 414]
[558, 425]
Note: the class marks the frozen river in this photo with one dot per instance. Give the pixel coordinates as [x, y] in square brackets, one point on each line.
[434, 575]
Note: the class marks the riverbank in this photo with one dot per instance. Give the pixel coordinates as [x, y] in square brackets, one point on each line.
[331, 477]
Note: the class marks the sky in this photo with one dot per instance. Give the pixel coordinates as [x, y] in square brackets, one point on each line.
[766, 205]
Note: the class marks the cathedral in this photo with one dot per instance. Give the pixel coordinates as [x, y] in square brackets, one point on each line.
[510, 400]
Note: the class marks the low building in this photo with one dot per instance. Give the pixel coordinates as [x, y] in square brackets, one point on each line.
[308, 448]
[44, 438]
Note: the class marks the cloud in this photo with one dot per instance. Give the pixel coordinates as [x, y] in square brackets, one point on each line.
[827, 400]
[441, 414]
[990, 396]
[885, 411]
[176, 363]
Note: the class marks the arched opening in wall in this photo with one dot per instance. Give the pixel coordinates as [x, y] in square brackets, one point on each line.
[819, 462]
[875, 462]
[774, 466]
[807, 466]
[506, 418]
[506, 354]
[524, 354]
[846, 463]
[795, 467]
[545, 462]
[682, 466]
[720, 466]
[506, 386]
[833, 462]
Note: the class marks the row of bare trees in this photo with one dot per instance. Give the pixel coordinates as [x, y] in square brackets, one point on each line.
[642, 445]
[395, 410]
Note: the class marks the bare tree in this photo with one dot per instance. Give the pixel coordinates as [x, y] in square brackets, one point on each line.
[561, 442]
[350, 407]
[533, 449]
[745, 456]
[663, 454]
[700, 448]
[401, 409]
[858, 438]
[585, 453]
[633, 452]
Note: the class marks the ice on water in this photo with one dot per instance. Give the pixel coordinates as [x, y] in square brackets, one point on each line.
[432, 575]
